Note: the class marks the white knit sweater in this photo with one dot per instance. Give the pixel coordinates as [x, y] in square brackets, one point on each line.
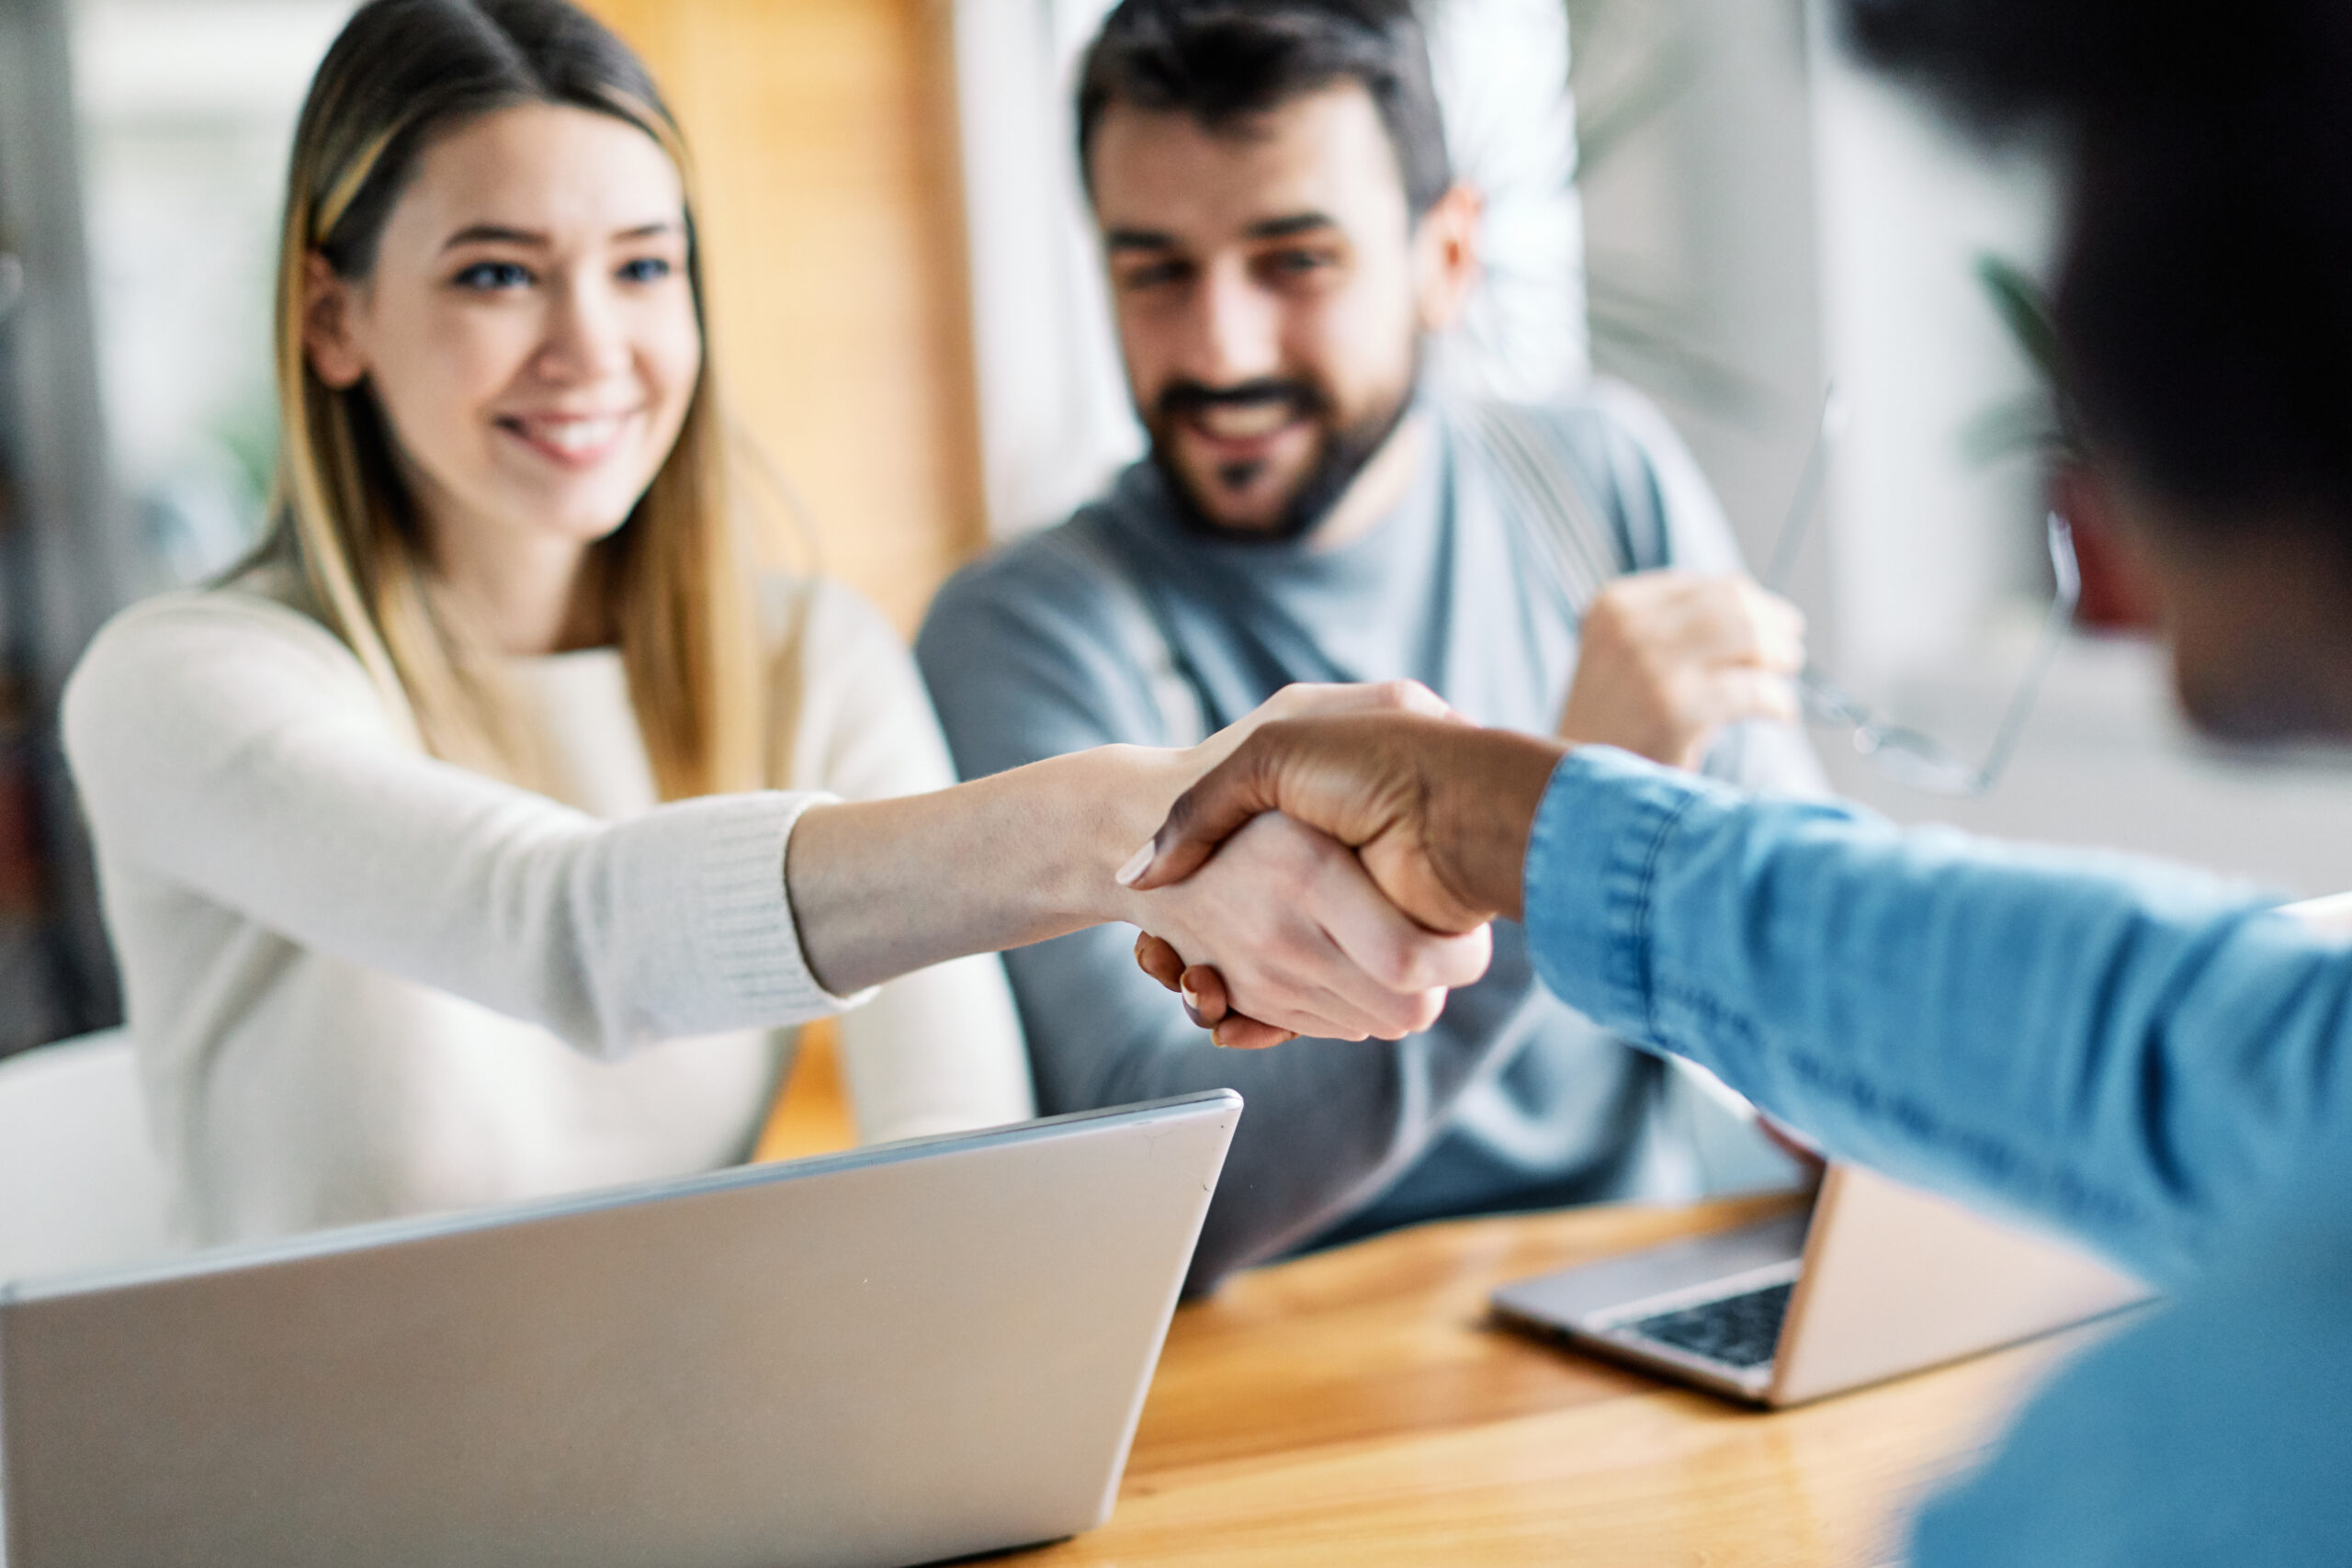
[363, 982]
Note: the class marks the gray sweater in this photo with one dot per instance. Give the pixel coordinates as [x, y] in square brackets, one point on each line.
[1124, 623]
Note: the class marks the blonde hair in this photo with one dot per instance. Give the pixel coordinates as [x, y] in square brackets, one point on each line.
[673, 576]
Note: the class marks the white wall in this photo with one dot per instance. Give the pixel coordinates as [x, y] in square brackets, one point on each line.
[1789, 218]
[1699, 242]
[186, 112]
[1932, 541]
[1055, 421]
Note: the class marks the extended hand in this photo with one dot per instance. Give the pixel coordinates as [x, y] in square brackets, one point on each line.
[1288, 926]
[1437, 811]
[1668, 658]
[1285, 925]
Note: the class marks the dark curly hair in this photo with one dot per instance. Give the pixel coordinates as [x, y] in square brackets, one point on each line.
[2204, 303]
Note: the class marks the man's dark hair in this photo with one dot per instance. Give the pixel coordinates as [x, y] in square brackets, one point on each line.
[1223, 61]
[2204, 305]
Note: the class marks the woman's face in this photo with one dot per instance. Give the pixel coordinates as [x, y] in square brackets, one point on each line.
[528, 330]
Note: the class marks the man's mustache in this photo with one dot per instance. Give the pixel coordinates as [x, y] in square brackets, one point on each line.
[1180, 400]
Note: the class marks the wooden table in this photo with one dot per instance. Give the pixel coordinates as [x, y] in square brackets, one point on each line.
[1356, 1407]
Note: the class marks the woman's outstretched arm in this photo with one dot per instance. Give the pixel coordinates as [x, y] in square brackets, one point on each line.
[232, 755]
[1303, 936]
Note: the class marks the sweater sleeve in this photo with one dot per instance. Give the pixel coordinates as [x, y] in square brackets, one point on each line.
[939, 1050]
[235, 749]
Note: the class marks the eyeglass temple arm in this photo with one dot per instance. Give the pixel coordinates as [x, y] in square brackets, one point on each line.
[2069, 574]
[1810, 479]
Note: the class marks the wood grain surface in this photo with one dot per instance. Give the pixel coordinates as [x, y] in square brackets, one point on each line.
[825, 141]
[1357, 1406]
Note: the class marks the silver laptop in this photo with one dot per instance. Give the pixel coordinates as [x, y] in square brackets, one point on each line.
[1877, 1281]
[903, 1354]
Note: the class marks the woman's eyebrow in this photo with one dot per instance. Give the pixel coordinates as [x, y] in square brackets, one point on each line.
[500, 234]
[493, 234]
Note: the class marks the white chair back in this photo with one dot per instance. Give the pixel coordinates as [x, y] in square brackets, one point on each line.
[80, 1185]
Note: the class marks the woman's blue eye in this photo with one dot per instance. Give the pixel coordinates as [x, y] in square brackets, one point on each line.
[1153, 275]
[645, 269]
[491, 275]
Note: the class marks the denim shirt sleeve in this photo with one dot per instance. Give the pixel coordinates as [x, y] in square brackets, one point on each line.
[2123, 1049]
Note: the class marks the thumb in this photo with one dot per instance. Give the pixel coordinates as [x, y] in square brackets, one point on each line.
[1220, 803]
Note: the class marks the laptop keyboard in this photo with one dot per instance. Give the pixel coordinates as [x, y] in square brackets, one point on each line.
[1736, 1331]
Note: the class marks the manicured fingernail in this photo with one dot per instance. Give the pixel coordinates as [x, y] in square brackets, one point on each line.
[1125, 875]
[1195, 1014]
[1191, 998]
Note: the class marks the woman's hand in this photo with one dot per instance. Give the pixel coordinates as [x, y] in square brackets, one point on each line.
[1284, 926]
[1299, 933]
[1440, 813]
[1287, 928]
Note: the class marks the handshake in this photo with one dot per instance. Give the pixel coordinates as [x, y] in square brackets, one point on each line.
[1436, 812]
[1346, 846]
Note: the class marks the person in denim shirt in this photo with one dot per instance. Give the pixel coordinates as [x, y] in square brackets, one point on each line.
[2152, 1060]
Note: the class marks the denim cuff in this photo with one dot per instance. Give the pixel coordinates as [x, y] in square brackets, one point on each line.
[1591, 863]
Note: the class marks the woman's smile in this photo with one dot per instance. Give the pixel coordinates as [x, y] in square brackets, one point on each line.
[578, 442]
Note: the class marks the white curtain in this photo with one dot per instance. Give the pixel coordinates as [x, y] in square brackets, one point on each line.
[1055, 419]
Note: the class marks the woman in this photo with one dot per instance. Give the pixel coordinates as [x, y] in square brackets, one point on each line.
[444, 847]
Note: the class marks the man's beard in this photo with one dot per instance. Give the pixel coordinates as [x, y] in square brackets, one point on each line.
[1342, 457]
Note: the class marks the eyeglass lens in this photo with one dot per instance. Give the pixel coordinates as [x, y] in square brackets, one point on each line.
[1901, 754]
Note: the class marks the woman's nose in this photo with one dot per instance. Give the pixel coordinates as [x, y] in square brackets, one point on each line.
[587, 336]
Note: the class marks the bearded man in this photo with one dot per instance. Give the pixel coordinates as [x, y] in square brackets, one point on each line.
[1283, 237]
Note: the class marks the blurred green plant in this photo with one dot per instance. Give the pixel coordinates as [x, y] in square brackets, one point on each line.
[248, 433]
[2033, 422]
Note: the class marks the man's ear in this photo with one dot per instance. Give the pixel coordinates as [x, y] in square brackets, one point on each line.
[328, 340]
[1446, 265]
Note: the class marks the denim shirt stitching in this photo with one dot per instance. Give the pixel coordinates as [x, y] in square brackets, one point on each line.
[1638, 956]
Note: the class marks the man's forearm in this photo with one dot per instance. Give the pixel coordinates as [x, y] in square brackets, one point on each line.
[2130, 1050]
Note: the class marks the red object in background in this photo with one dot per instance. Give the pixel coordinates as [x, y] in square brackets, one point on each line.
[20, 846]
[2114, 598]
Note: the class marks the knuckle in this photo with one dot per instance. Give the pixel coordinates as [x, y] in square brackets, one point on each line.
[1395, 962]
[1605, 617]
